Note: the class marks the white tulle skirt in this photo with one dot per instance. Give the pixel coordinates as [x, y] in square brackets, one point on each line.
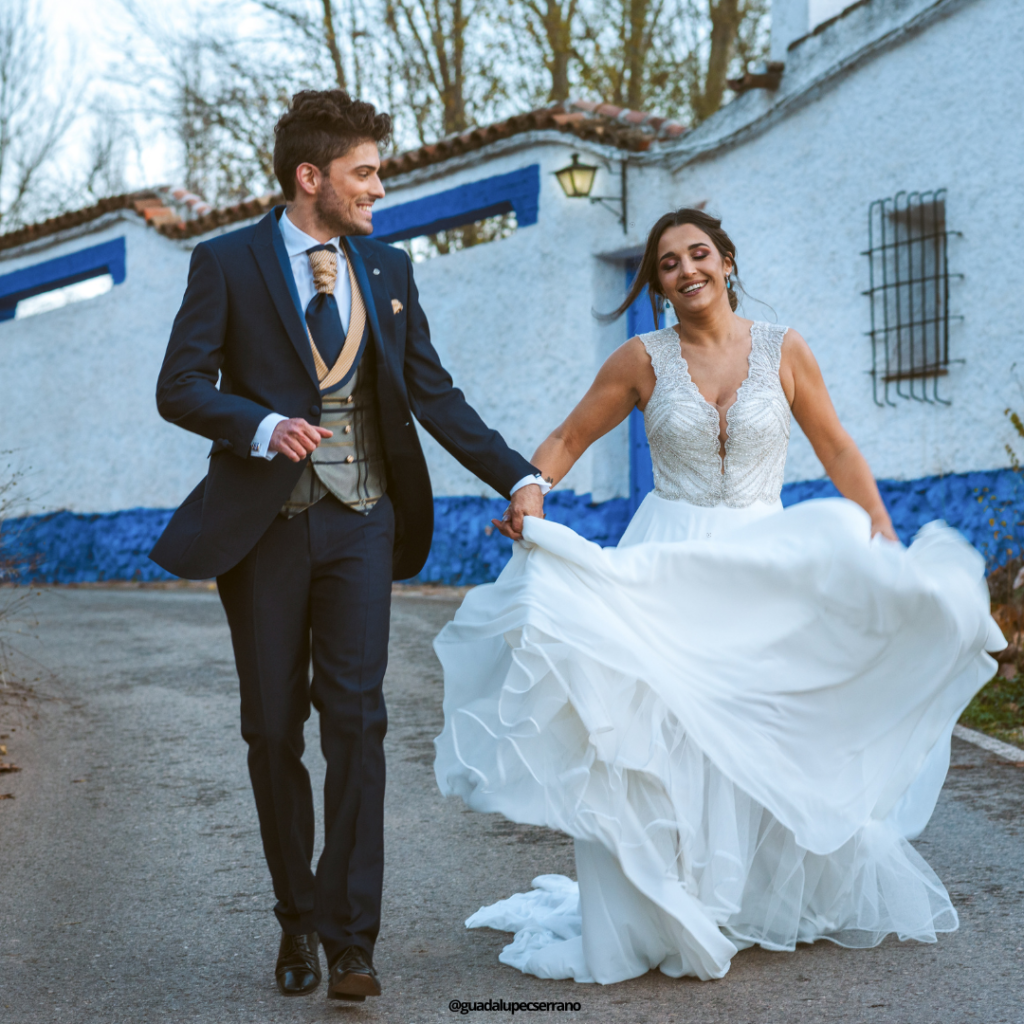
[739, 715]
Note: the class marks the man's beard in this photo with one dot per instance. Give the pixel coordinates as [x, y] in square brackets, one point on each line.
[332, 214]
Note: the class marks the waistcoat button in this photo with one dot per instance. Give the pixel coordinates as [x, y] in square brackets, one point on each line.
[350, 458]
[348, 428]
[314, 410]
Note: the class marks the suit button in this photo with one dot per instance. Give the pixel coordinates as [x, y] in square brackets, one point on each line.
[314, 410]
[350, 399]
[348, 428]
[224, 442]
[350, 458]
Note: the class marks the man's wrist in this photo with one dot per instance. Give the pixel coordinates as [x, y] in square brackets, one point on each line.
[260, 446]
[533, 478]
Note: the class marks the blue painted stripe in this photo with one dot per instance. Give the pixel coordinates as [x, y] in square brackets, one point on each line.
[64, 547]
[106, 258]
[502, 193]
[639, 320]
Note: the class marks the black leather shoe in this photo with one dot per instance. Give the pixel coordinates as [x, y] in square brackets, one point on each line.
[298, 964]
[353, 977]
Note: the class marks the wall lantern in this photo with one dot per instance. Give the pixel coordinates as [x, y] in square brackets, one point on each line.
[577, 180]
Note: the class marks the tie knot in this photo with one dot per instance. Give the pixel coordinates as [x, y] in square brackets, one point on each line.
[323, 259]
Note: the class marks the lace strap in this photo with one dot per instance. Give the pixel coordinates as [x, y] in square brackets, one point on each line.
[766, 346]
[662, 346]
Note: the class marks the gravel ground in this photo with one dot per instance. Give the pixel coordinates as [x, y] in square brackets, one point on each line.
[133, 889]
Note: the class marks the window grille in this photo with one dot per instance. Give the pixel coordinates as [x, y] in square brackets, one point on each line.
[909, 295]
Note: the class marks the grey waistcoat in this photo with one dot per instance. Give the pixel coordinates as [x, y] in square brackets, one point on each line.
[349, 465]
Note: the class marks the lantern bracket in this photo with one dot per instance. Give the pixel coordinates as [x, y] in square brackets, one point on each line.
[617, 204]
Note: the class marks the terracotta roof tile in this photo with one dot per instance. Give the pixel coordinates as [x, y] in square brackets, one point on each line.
[178, 213]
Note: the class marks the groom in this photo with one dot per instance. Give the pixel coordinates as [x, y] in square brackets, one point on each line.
[317, 496]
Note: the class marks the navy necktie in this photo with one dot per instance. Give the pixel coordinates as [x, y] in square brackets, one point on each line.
[322, 316]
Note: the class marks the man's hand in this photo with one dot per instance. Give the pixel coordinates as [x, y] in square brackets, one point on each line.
[297, 438]
[527, 501]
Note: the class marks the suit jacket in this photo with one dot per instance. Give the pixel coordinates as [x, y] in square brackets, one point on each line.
[241, 321]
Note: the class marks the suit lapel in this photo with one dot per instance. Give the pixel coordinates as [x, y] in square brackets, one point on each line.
[272, 259]
[370, 297]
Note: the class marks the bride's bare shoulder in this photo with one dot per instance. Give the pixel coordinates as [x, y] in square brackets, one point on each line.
[630, 356]
[795, 350]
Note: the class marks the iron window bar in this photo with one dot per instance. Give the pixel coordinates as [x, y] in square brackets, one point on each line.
[909, 295]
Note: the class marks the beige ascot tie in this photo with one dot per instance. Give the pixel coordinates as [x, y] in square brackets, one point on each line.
[324, 264]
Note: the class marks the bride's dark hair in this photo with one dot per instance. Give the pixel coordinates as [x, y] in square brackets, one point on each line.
[647, 272]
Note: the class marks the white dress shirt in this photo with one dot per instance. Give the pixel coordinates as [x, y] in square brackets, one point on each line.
[296, 244]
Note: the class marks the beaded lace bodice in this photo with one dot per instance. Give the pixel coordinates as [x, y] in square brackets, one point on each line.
[683, 429]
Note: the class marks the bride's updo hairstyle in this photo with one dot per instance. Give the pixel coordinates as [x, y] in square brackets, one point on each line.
[647, 273]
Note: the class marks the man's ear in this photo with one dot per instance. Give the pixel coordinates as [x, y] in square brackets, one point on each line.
[307, 178]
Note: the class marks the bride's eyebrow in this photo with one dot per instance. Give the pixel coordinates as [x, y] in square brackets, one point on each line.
[689, 248]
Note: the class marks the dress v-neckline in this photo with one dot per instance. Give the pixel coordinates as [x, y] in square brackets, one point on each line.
[687, 379]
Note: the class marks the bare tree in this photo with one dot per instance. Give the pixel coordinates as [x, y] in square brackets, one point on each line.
[621, 36]
[103, 170]
[737, 31]
[33, 119]
[445, 66]
[550, 30]
[672, 56]
[336, 32]
[223, 103]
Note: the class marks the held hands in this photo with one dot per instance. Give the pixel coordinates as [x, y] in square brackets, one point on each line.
[527, 501]
[881, 523]
[296, 438]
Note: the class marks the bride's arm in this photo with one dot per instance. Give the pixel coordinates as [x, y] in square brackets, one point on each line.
[813, 410]
[625, 379]
[609, 400]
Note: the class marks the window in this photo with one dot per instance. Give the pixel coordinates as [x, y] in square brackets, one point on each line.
[57, 297]
[479, 232]
[480, 211]
[53, 283]
[909, 296]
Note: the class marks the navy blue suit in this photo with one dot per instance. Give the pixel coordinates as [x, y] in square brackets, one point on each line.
[317, 585]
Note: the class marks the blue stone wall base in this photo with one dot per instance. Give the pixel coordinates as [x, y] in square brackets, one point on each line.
[66, 547]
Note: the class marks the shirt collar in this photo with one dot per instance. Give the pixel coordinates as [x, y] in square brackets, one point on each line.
[296, 241]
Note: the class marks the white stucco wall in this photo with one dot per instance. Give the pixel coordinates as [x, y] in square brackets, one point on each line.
[939, 110]
[77, 384]
[512, 319]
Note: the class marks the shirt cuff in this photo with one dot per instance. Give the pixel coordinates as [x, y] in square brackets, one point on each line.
[260, 447]
[535, 478]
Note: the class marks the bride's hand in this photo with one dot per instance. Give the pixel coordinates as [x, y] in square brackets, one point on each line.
[527, 501]
[882, 524]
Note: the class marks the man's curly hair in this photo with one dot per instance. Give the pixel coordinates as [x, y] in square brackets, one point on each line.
[321, 126]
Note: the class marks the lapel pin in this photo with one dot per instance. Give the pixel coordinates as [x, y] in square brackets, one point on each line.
[375, 270]
[396, 306]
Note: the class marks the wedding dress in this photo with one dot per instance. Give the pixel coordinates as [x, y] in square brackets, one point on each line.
[740, 714]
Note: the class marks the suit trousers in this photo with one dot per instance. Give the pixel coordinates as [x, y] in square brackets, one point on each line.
[320, 584]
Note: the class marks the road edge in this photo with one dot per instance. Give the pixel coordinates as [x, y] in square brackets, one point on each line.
[1006, 751]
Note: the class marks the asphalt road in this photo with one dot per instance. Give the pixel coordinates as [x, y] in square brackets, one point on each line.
[133, 889]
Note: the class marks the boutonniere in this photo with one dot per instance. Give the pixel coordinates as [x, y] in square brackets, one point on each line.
[396, 306]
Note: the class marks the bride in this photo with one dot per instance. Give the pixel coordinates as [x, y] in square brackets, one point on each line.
[740, 714]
